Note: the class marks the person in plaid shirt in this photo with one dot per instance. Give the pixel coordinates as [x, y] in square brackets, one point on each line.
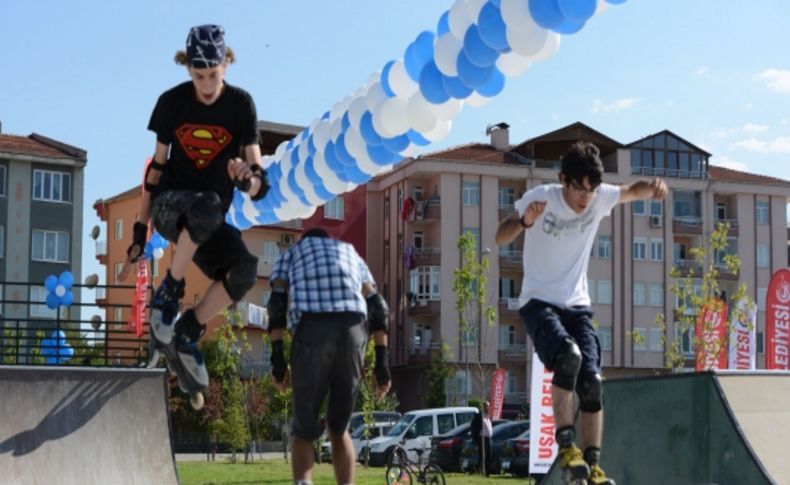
[332, 294]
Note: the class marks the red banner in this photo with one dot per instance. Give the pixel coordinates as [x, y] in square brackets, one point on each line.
[137, 312]
[777, 321]
[497, 393]
[711, 328]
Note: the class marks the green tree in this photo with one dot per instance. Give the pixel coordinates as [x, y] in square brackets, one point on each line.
[438, 373]
[366, 399]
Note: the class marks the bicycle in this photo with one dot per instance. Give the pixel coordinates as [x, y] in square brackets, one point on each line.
[403, 471]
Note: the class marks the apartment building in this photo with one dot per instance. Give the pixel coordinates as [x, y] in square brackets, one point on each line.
[41, 191]
[417, 212]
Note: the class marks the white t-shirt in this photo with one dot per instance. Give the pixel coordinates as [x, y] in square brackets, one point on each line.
[557, 247]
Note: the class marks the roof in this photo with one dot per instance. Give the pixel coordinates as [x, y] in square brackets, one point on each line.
[127, 194]
[475, 152]
[572, 131]
[667, 132]
[722, 174]
[39, 146]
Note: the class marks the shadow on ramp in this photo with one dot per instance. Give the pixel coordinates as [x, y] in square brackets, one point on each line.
[702, 428]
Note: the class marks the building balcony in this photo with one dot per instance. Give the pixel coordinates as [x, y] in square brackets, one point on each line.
[515, 397]
[510, 259]
[423, 352]
[265, 268]
[427, 211]
[424, 307]
[427, 256]
[733, 231]
[687, 225]
[507, 305]
[101, 251]
[688, 267]
[513, 353]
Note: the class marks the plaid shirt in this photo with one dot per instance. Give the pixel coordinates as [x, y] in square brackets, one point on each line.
[323, 275]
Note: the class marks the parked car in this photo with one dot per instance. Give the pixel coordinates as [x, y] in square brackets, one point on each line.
[446, 448]
[499, 434]
[415, 430]
[324, 451]
[358, 439]
[514, 457]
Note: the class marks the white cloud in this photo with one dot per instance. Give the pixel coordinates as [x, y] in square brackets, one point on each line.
[755, 128]
[778, 80]
[779, 145]
[727, 162]
[702, 71]
[748, 105]
[616, 105]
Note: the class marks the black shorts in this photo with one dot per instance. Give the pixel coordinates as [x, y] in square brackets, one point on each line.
[218, 254]
[327, 357]
[549, 325]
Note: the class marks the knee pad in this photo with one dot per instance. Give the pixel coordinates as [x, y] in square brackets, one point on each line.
[590, 390]
[241, 276]
[204, 217]
[566, 365]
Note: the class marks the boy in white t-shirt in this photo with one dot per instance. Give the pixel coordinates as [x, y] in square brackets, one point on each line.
[560, 223]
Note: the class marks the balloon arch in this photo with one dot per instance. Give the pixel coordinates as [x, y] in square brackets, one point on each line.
[412, 101]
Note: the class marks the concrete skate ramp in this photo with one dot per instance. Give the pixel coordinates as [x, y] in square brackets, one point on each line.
[62, 425]
[702, 428]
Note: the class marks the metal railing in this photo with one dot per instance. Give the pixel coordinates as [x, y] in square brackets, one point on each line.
[670, 172]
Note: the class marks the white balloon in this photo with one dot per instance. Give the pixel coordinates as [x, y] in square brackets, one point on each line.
[266, 161]
[278, 152]
[335, 111]
[373, 79]
[458, 19]
[357, 108]
[513, 64]
[440, 131]
[411, 151]
[447, 110]
[285, 212]
[158, 253]
[379, 124]
[248, 208]
[418, 111]
[446, 52]
[304, 184]
[394, 117]
[550, 48]
[476, 100]
[526, 43]
[336, 129]
[303, 150]
[60, 290]
[402, 85]
[473, 8]
[321, 135]
[375, 96]
[355, 144]
[330, 180]
[384, 169]
[516, 16]
[602, 7]
[285, 162]
[304, 212]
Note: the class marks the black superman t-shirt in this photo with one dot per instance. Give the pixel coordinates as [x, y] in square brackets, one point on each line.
[202, 138]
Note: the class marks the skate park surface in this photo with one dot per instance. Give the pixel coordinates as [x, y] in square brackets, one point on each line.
[83, 425]
[697, 428]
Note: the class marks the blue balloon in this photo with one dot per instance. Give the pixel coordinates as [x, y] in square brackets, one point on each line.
[472, 75]
[546, 13]
[569, 27]
[476, 50]
[579, 10]
[305, 134]
[431, 85]
[410, 63]
[456, 88]
[52, 300]
[309, 170]
[492, 27]
[149, 250]
[67, 299]
[51, 282]
[59, 335]
[417, 138]
[296, 189]
[333, 163]
[444, 25]
[381, 156]
[268, 218]
[66, 279]
[342, 152]
[498, 3]
[345, 122]
[241, 220]
[615, 2]
[356, 175]
[311, 146]
[289, 145]
[325, 116]
[322, 192]
[423, 48]
[494, 85]
[385, 82]
[396, 144]
[367, 131]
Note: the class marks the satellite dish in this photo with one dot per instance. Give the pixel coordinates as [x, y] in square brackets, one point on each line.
[96, 322]
[91, 280]
[95, 232]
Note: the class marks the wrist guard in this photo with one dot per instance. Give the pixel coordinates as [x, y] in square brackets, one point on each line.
[277, 308]
[153, 165]
[139, 235]
[378, 313]
[381, 369]
[278, 361]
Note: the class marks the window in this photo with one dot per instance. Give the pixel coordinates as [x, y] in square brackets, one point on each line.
[760, 343]
[605, 246]
[2, 180]
[417, 239]
[656, 294]
[721, 211]
[605, 337]
[424, 283]
[638, 206]
[445, 422]
[761, 295]
[681, 252]
[38, 307]
[507, 288]
[686, 337]
[270, 251]
[420, 336]
[763, 256]
[732, 248]
[417, 192]
[656, 208]
[640, 249]
[118, 229]
[507, 198]
[460, 382]
[639, 294]
[2, 241]
[605, 292]
[591, 290]
[51, 246]
[656, 250]
[386, 207]
[470, 193]
[2, 297]
[686, 204]
[400, 199]
[510, 386]
[334, 209]
[118, 269]
[507, 336]
[639, 339]
[763, 212]
[655, 340]
[685, 293]
[117, 317]
[51, 186]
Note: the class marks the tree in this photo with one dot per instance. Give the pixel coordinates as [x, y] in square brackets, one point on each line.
[366, 399]
[438, 373]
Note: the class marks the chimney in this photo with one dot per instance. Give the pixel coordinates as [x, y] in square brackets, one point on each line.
[500, 136]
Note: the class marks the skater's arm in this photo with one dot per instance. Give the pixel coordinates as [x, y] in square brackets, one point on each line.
[513, 225]
[643, 189]
[152, 178]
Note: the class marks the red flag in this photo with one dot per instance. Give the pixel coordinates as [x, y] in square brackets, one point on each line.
[497, 393]
[137, 313]
[777, 321]
[711, 328]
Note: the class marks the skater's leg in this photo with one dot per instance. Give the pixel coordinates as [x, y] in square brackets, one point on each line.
[591, 425]
[343, 457]
[184, 252]
[302, 459]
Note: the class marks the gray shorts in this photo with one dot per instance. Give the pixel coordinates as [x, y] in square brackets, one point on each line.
[327, 357]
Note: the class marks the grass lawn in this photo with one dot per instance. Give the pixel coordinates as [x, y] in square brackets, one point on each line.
[277, 471]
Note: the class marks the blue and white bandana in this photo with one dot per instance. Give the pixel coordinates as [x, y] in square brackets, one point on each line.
[206, 46]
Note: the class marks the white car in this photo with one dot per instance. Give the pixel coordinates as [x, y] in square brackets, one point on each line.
[358, 438]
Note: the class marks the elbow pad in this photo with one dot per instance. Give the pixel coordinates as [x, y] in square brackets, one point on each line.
[277, 308]
[378, 313]
[153, 165]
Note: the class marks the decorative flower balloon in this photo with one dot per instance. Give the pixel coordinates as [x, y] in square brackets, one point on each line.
[155, 247]
[56, 348]
[59, 288]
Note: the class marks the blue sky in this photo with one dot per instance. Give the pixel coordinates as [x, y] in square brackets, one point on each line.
[88, 73]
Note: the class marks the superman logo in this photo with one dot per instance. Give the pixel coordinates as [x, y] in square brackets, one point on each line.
[202, 143]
